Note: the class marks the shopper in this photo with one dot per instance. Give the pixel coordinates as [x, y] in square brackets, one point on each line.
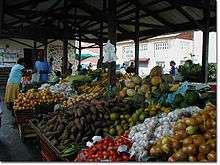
[14, 80]
[173, 68]
[131, 68]
[42, 67]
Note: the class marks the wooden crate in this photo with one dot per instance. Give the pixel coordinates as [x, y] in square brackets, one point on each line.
[23, 117]
[48, 151]
[25, 131]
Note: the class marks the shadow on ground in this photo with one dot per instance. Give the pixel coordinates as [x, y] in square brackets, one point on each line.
[11, 146]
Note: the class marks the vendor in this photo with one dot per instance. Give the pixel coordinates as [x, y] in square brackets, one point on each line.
[131, 68]
[42, 67]
[13, 83]
[173, 68]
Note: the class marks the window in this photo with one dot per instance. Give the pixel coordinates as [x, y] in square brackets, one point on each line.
[144, 47]
[182, 62]
[161, 45]
[128, 51]
[184, 45]
[161, 63]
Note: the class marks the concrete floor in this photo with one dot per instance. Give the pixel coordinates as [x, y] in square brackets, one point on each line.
[11, 146]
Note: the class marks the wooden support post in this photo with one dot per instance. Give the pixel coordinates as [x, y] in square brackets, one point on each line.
[80, 48]
[1, 15]
[137, 42]
[65, 56]
[112, 37]
[205, 43]
[45, 47]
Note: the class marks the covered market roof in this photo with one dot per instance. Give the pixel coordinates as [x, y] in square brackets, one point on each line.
[40, 19]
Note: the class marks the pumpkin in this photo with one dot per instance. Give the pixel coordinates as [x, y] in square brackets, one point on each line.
[156, 81]
[167, 78]
[156, 71]
[143, 89]
[129, 84]
[122, 93]
[131, 92]
[148, 95]
[136, 79]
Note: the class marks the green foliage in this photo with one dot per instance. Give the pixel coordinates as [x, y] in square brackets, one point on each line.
[192, 97]
[212, 68]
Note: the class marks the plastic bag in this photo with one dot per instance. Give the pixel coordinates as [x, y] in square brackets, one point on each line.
[110, 54]
[182, 90]
[35, 77]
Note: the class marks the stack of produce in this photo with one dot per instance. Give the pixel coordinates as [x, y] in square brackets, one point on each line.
[144, 135]
[191, 98]
[194, 139]
[106, 150]
[62, 88]
[80, 122]
[152, 87]
[29, 100]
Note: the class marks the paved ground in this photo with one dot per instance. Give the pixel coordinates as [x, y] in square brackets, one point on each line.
[11, 147]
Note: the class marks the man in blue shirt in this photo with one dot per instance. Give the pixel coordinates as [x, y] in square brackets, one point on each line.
[42, 67]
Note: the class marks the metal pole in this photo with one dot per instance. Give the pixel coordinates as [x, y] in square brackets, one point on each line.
[80, 48]
[137, 42]
[112, 37]
[205, 43]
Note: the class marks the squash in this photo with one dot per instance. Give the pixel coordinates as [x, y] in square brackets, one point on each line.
[156, 81]
[156, 71]
[131, 92]
[136, 79]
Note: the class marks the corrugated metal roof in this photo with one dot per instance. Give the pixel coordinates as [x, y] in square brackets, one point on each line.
[159, 6]
[169, 16]
[197, 14]
[150, 20]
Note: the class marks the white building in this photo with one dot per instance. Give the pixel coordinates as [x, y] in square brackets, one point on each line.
[158, 51]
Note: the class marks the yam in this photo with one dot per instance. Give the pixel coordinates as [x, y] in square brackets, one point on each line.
[78, 124]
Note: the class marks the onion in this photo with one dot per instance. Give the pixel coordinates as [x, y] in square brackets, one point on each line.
[207, 135]
[180, 134]
[180, 155]
[208, 124]
[192, 158]
[187, 141]
[212, 143]
[191, 149]
[176, 144]
[172, 159]
[199, 120]
[212, 156]
[191, 130]
[166, 148]
[198, 139]
[201, 156]
[155, 151]
[165, 140]
[204, 148]
[180, 126]
[190, 121]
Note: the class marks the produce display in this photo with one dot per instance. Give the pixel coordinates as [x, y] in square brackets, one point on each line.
[145, 134]
[107, 150]
[33, 98]
[152, 87]
[62, 88]
[193, 139]
[82, 121]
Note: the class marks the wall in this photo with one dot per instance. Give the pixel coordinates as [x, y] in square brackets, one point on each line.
[198, 39]
[55, 50]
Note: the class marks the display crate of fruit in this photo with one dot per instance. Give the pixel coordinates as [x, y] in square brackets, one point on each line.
[48, 151]
[24, 116]
[25, 131]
